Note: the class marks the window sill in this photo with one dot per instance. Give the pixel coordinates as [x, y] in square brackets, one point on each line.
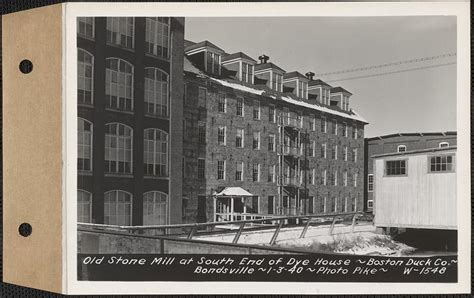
[84, 173]
[157, 116]
[121, 47]
[117, 175]
[86, 37]
[119, 111]
[156, 177]
[151, 55]
[85, 105]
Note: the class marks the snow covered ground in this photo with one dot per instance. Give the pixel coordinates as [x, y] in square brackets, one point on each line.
[363, 241]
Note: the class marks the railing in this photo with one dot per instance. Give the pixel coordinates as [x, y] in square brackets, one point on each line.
[274, 221]
[289, 181]
[290, 121]
[291, 150]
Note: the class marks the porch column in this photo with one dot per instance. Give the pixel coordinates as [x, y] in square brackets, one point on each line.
[231, 208]
[215, 208]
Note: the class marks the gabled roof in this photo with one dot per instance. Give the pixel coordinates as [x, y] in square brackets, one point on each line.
[188, 43]
[237, 55]
[204, 43]
[413, 134]
[318, 82]
[268, 65]
[293, 74]
[427, 150]
[339, 89]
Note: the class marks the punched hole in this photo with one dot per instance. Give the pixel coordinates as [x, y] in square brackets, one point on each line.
[25, 229]
[26, 66]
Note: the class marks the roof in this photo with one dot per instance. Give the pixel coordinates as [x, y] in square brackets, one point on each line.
[268, 65]
[411, 134]
[293, 74]
[233, 192]
[237, 55]
[188, 43]
[436, 149]
[204, 43]
[318, 82]
[339, 89]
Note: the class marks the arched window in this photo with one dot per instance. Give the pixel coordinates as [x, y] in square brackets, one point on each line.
[84, 145]
[120, 31]
[155, 208]
[118, 148]
[443, 144]
[85, 73]
[156, 152]
[84, 206]
[401, 148]
[119, 84]
[157, 36]
[118, 208]
[156, 92]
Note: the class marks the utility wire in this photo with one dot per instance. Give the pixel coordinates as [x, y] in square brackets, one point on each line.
[391, 72]
[423, 59]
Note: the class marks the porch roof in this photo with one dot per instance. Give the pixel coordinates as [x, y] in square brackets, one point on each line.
[233, 192]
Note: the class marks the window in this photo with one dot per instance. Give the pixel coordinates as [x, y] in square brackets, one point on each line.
[335, 178]
[354, 132]
[302, 88]
[323, 150]
[354, 155]
[256, 172]
[333, 203]
[345, 153]
[240, 107]
[213, 62]
[370, 182]
[370, 204]
[221, 170]
[201, 168]
[312, 122]
[84, 206]
[323, 204]
[395, 167]
[156, 152]
[344, 130]
[157, 35]
[271, 173]
[85, 26]
[256, 140]
[239, 169]
[118, 148]
[155, 208]
[156, 92]
[202, 94]
[310, 204]
[271, 113]
[117, 208]
[324, 124]
[202, 132]
[84, 145]
[120, 31]
[311, 148]
[221, 135]
[334, 127]
[119, 84]
[271, 205]
[221, 103]
[355, 179]
[401, 148]
[323, 178]
[443, 144]
[311, 176]
[256, 110]
[271, 142]
[277, 81]
[85, 76]
[354, 204]
[441, 163]
[344, 178]
[247, 73]
[334, 152]
[239, 138]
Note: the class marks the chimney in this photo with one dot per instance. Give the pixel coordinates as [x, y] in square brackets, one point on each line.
[310, 75]
[263, 58]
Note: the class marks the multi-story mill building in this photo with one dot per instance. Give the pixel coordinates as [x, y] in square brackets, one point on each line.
[130, 84]
[291, 141]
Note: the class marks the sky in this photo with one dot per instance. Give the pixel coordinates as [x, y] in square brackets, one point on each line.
[423, 100]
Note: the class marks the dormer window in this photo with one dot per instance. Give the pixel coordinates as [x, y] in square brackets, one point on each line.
[302, 90]
[340, 98]
[296, 83]
[269, 74]
[240, 66]
[213, 63]
[247, 73]
[277, 81]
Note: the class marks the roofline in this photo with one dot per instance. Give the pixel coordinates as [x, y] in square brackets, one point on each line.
[436, 149]
[411, 134]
